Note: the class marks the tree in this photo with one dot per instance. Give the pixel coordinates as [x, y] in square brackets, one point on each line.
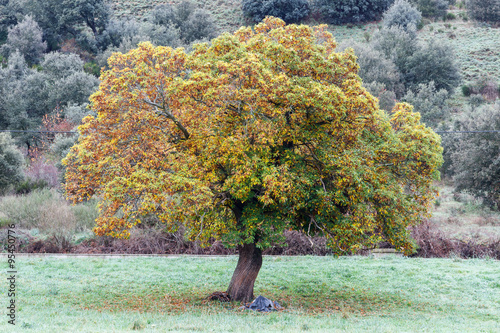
[11, 162]
[60, 19]
[475, 157]
[402, 14]
[374, 67]
[290, 11]
[27, 94]
[26, 37]
[260, 132]
[433, 61]
[351, 11]
[484, 10]
[432, 8]
[429, 102]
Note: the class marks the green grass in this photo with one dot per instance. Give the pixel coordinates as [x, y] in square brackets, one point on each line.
[319, 293]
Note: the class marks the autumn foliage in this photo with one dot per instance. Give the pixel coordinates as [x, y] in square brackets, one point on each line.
[262, 131]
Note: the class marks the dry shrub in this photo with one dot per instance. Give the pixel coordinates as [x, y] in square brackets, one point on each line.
[433, 243]
[300, 244]
[486, 221]
[58, 221]
[42, 169]
[155, 240]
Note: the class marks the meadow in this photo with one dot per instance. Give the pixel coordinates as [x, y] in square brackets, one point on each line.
[159, 294]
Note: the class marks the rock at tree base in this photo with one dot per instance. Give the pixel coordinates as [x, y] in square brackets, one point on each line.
[262, 304]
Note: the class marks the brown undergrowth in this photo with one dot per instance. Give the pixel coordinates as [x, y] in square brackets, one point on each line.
[431, 242]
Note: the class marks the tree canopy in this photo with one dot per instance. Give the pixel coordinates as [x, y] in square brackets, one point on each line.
[262, 131]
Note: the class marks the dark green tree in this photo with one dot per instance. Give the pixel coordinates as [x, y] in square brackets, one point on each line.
[11, 162]
[475, 157]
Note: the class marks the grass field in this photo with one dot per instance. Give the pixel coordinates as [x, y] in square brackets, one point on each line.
[320, 294]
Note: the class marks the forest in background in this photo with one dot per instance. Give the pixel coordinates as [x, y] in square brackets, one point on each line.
[440, 56]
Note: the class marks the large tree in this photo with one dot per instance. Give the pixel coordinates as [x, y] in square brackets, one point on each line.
[263, 131]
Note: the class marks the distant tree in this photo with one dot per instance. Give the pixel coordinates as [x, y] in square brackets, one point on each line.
[291, 11]
[375, 67]
[95, 14]
[386, 97]
[116, 31]
[198, 25]
[402, 14]
[262, 131]
[11, 163]
[429, 102]
[433, 61]
[351, 11]
[26, 38]
[418, 62]
[484, 10]
[163, 14]
[11, 12]
[432, 8]
[62, 19]
[475, 158]
[26, 95]
[398, 46]
[186, 19]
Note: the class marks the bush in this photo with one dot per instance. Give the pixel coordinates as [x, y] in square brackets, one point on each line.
[431, 8]
[290, 11]
[402, 14]
[450, 17]
[466, 90]
[11, 163]
[92, 68]
[30, 185]
[484, 10]
[24, 210]
[351, 11]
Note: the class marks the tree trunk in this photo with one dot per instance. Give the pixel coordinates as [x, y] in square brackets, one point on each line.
[248, 267]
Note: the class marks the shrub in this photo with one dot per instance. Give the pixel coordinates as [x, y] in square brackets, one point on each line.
[24, 210]
[402, 14]
[30, 185]
[11, 162]
[450, 17]
[43, 170]
[290, 11]
[466, 90]
[431, 8]
[484, 10]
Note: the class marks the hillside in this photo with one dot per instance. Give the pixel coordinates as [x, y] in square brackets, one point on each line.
[477, 46]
